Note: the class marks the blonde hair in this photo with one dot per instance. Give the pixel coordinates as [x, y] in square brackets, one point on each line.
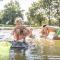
[18, 19]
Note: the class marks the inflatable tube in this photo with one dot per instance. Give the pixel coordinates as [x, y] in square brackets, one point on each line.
[21, 45]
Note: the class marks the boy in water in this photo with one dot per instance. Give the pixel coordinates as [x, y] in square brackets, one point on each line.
[20, 32]
[45, 31]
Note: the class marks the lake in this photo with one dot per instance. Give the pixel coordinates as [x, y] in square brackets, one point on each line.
[38, 52]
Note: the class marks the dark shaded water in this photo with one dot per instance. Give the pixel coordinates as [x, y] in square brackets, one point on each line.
[36, 53]
[32, 53]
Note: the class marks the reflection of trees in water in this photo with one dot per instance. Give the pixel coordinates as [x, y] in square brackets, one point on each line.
[45, 53]
[19, 54]
[35, 53]
[48, 52]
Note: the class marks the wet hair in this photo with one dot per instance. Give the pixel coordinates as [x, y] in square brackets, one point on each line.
[44, 25]
[18, 19]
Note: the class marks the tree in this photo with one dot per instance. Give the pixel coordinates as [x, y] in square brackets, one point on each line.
[57, 8]
[47, 9]
[11, 11]
[1, 15]
[35, 16]
[52, 9]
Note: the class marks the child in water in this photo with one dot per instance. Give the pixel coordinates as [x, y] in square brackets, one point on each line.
[45, 31]
[20, 32]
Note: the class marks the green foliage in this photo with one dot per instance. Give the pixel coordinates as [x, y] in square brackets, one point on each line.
[52, 8]
[11, 11]
[34, 16]
[44, 10]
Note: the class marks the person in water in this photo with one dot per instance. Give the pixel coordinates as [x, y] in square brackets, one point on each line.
[45, 31]
[48, 32]
[20, 32]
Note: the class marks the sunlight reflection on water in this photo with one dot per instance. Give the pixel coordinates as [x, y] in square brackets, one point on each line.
[39, 52]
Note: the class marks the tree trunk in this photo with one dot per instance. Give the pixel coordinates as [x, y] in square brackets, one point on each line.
[59, 22]
[49, 21]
